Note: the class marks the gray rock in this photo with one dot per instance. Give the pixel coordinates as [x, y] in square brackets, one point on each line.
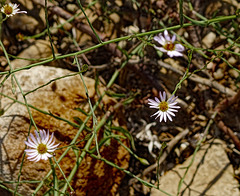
[210, 174]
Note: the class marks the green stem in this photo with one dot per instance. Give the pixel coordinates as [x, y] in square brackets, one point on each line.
[185, 76]
[48, 30]
[73, 142]
[63, 174]
[90, 104]
[23, 182]
[87, 146]
[90, 24]
[64, 153]
[181, 11]
[55, 179]
[20, 170]
[10, 190]
[50, 81]
[101, 123]
[219, 19]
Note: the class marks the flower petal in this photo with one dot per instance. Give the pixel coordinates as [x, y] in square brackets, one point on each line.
[160, 48]
[49, 142]
[161, 117]
[173, 38]
[174, 106]
[30, 143]
[160, 39]
[164, 96]
[165, 116]
[161, 97]
[169, 117]
[33, 139]
[174, 53]
[171, 113]
[179, 47]
[53, 146]
[38, 136]
[167, 37]
[157, 100]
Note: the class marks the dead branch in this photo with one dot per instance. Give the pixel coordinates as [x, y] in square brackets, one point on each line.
[201, 80]
[112, 47]
[228, 102]
[213, 84]
[222, 106]
[230, 133]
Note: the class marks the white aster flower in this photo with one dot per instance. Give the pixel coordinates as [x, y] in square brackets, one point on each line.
[165, 107]
[41, 146]
[11, 9]
[168, 45]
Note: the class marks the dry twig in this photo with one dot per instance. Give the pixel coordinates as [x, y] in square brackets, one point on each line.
[112, 47]
[222, 106]
[201, 80]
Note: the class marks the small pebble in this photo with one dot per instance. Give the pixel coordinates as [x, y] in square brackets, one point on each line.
[209, 39]
[232, 60]
[218, 74]
[72, 7]
[233, 73]
[183, 146]
[210, 65]
[201, 117]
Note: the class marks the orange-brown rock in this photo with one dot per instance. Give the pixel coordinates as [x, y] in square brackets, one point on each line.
[60, 99]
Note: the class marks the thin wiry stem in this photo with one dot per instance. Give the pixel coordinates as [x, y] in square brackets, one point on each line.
[210, 21]
[90, 104]
[48, 29]
[90, 24]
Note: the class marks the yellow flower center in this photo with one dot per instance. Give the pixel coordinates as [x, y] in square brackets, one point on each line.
[169, 46]
[163, 106]
[42, 148]
[8, 9]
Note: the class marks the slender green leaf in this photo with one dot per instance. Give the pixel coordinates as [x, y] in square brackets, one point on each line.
[181, 12]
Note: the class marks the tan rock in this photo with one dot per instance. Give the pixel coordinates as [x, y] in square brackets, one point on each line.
[38, 50]
[59, 98]
[232, 60]
[210, 174]
[28, 22]
[72, 7]
[233, 73]
[209, 39]
[218, 74]
[210, 65]
[23, 22]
